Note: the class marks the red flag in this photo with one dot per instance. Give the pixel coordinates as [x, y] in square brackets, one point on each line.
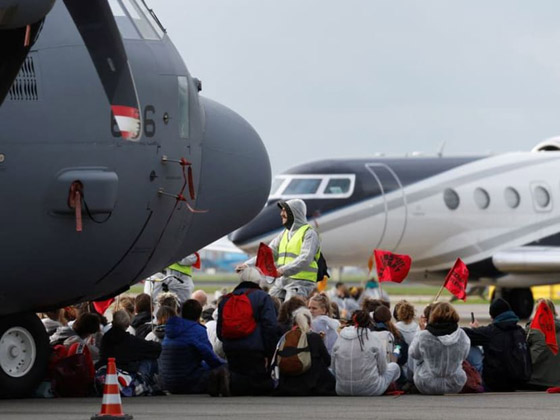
[101, 306]
[265, 261]
[544, 322]
[197, 263]
[391, 267]
[456, 279]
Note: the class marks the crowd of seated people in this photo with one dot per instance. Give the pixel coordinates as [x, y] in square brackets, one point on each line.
[249, 343]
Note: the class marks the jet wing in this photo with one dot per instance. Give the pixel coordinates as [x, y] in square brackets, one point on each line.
[528, 259]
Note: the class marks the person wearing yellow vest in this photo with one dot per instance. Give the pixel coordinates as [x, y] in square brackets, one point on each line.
[296, 251]
[177, 279]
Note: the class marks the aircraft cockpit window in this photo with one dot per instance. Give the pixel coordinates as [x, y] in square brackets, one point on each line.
[313, 186]
[140, 20]
[124, 23]
[337, 186]
[183, 107]
[302, 186]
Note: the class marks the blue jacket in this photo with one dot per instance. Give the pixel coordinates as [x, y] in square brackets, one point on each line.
[265, 336]
[186, 354]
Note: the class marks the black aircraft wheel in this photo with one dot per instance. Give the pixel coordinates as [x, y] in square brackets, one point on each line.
[521, 301]
[24, 352]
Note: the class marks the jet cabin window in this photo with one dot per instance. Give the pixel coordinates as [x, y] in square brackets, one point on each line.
[313, 186]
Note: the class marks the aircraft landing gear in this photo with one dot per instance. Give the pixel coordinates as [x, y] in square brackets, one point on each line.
[520, 300]
[24, 352]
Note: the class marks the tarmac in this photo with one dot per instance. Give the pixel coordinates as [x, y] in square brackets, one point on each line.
[489, 406]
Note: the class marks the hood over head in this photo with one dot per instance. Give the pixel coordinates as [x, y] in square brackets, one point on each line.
[296, 210]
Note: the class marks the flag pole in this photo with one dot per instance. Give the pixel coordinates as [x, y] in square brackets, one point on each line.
[440, 290]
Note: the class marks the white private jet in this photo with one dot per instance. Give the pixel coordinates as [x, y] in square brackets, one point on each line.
[500, 214]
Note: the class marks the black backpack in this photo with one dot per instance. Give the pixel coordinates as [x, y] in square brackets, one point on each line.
[518, 360]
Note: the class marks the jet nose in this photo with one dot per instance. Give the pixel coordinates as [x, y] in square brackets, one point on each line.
[266, 223]
[235, 174]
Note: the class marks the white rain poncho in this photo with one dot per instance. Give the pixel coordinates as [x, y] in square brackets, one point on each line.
[438, 361]
[361, 371]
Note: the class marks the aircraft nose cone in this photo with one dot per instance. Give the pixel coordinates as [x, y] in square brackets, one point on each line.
[235, 174]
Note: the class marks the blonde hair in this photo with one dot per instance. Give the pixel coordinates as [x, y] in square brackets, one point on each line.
[302, 318]
[324, 302]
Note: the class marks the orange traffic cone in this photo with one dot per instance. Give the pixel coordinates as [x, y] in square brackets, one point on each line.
[111, 406]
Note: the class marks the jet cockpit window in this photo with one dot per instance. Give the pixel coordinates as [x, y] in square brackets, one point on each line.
[124, 23]
[313, 186]
[337, 186]
[302, 186]
[134, 18]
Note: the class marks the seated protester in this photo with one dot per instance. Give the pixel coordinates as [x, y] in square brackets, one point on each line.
[248, 351]
[395, 346]
[346, 303]
[439, 351]
[320, 307]
[545, 364]
[187, 356]
[506, 364]
[360, 362]
[82, 329]
[142, 321]
[404, 314]
[132, 354]
[211, 329]
[162, 316]
[201, 297]
[317, 379]
[126, 302]
[53, 320]
[69, 341]
[287, 309]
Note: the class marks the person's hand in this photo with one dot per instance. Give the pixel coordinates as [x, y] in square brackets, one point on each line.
[240, 267]
[280, 272]
[474, 324]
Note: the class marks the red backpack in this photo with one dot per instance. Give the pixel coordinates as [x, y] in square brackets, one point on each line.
[237, 316]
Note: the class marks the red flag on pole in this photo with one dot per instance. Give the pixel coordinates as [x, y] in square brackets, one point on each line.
[544, 322]
[456, 279]
[391, 267]
[197, 263]
[265, 261]
[101, 306]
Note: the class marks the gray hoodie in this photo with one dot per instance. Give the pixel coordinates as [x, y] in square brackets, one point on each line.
[439, 361]
[358, 371]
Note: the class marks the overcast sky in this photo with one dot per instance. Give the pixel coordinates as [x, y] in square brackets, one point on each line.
[347, 78]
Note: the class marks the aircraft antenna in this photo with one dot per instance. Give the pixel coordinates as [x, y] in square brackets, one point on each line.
[441, 147]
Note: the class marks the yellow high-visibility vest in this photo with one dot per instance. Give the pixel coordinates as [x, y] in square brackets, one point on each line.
[185, 269]
[289, 250]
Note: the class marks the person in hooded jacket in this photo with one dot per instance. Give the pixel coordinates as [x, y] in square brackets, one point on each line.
[187, 357]
[546, 364]
[318, 380]
[320, 307]
[142, 320]
[296, 251]
[496, 341]
[359, 360]
[439, 351]
[249, 357]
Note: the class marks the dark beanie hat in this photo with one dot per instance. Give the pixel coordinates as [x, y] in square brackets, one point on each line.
[499, 306]
[382, 314]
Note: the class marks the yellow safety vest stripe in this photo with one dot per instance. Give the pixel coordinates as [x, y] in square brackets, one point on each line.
[289, 250]
[185, 269]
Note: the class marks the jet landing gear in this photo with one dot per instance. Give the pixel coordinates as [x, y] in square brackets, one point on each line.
[520, 299]
[24, 352]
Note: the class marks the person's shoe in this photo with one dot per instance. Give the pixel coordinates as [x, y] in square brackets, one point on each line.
[214, 383]
[223, 380]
